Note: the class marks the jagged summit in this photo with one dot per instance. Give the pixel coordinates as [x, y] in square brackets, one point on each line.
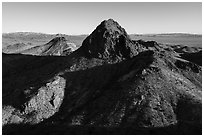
[110, 24]
[57, 39]
[109, 41]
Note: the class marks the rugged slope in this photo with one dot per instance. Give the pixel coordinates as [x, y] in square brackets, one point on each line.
[57, 46]
[107, 86]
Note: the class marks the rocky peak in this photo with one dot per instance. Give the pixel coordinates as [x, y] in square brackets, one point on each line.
[57, 46]
[110, 25]
[109, 41]
[57, 39]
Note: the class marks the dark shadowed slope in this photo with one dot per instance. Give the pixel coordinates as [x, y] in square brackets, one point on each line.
[116, 86]
[195, 57]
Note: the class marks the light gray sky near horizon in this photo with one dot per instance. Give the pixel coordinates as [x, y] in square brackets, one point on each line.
[83, 18]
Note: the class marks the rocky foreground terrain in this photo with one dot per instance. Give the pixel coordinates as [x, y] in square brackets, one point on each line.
[109, 85]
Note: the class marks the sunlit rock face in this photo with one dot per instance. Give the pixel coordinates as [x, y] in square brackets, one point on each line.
[58, 46]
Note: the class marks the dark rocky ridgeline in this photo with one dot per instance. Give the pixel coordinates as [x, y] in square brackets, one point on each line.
[186, 49]
[195, 57]
[143, 89]
[57, 47]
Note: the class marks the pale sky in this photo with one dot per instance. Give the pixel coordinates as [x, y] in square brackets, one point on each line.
[83, 18]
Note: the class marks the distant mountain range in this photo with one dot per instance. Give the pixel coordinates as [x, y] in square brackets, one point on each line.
[169, 34]
[40, 33]
[34, 39]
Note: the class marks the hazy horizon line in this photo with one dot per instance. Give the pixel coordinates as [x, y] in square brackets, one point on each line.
[90, 33]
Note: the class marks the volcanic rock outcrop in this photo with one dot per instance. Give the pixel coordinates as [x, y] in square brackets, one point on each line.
[109, 41]
[110, 85]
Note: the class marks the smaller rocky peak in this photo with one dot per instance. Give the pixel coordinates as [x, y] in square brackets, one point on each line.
[57, 40]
